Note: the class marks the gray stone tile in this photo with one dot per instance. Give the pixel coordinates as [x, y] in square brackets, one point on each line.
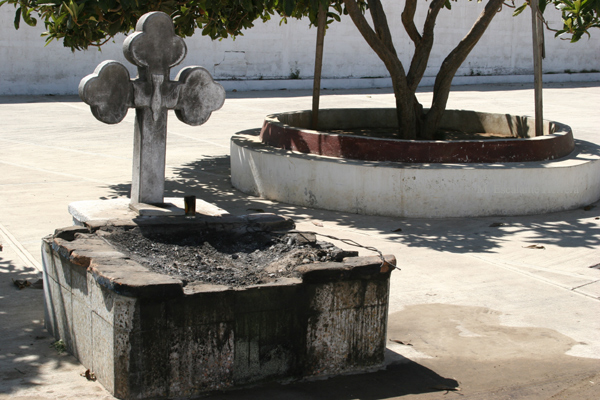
[102, 301]
[327, 341]
[122, 363]
[266, 297]
[62, 269]
[82, 332]
[336, 295]
[149, 365]
[47, 259]
[61, 307]
[49, 306]
[80, 285]
[103, 351]
[201, 358]
[341, 341]
[267, 345]
[376, 292]
[123, 312]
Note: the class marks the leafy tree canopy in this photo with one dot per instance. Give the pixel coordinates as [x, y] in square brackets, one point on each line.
[578, 16]
[84, 23]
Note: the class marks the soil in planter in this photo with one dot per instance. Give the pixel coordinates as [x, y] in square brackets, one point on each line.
[226, 259]
[442, 134]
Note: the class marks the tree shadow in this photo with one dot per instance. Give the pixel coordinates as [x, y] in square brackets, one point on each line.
[208, 178]
[25, 349]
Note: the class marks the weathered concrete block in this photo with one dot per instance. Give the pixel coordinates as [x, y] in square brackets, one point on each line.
[145, 335]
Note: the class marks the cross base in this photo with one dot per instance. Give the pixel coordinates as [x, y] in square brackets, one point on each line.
[161, 209]
[121, 209]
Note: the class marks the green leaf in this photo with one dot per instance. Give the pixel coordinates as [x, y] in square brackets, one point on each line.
[288, 7]
[17, 21]
[519, 10]
[26, 15]
[576, 36]
[114, 28]
[69, 10]
[104, 6]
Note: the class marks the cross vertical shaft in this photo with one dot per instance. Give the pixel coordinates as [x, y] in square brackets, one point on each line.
[149, 156]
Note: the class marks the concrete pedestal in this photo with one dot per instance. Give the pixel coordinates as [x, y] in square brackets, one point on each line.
[147, 335]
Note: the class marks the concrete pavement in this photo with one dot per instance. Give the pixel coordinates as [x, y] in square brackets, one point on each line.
[497, 307]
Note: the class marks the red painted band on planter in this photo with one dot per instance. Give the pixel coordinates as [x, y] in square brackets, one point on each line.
[548, 147]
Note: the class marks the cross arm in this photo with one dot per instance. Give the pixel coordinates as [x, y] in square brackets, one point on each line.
[108, 92]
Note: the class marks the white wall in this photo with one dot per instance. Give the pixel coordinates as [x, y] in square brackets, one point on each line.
[273, 51]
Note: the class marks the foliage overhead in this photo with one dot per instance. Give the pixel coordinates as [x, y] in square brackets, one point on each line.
[578, 16]
[84, 23]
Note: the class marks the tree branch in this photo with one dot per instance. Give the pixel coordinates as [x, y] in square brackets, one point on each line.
[405, 100]
[382, 29]
[454, 60]
[408, 20]
[389, 57]
[423, 47]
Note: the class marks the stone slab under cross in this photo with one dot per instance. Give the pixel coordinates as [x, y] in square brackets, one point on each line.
[154, 48]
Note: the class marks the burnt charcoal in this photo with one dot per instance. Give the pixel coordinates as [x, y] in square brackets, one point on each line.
[222, 258]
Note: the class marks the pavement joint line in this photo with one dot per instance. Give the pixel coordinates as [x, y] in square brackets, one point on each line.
[53, 182]
[53, 172]
[73, 105]
[538, 268]
[22, 253]
[536, 277]
[78, 105]
[196, 139]
[585, 284]
[81, 106]
[64, 149]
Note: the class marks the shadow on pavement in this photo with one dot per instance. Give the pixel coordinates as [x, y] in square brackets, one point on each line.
[403, 378]
[209, 179]
[26, 345]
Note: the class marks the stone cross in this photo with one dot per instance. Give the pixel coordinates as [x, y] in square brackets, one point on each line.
[194, 95]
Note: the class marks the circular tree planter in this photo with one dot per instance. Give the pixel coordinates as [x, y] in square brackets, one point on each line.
[518, 142]
[516, 174]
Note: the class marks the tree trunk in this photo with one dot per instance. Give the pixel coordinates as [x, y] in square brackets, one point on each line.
[408, 120]
[411, 120]
[443, 80]
[381, 42]
[322, 20]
